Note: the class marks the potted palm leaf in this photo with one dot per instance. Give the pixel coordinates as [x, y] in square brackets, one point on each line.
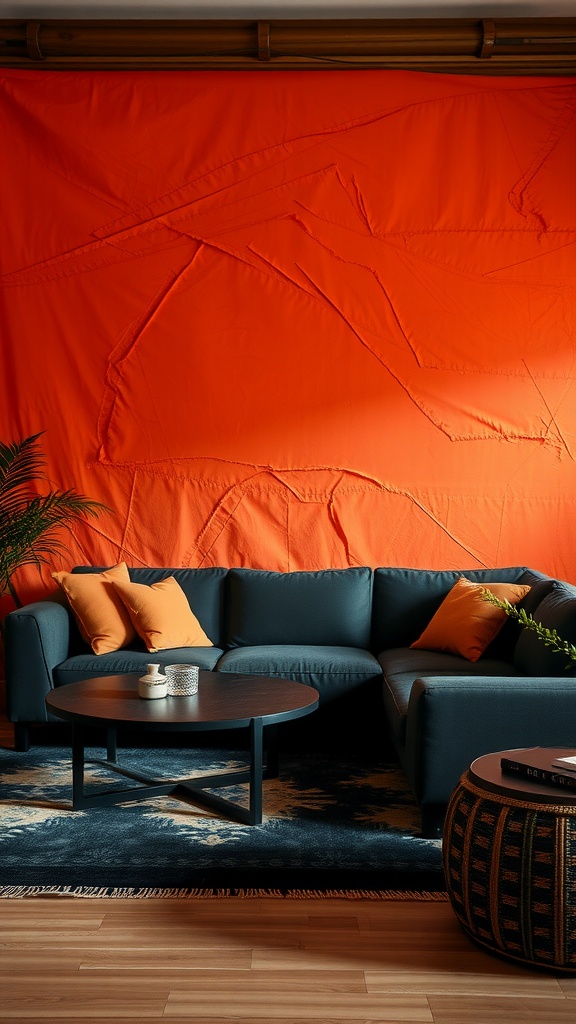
[31, 523]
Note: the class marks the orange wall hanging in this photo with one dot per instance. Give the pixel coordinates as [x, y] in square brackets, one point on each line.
[306, 320]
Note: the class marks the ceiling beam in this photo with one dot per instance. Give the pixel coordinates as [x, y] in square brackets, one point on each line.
[493, 46]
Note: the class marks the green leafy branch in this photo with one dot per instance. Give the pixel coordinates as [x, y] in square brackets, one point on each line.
[31, 523]
[549, 637]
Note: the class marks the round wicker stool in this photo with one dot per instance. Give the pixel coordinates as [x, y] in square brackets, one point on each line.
[510, 863]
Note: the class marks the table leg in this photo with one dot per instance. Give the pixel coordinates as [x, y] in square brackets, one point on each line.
[256, 770]
[272, 761]
[112, 743]
[78, 761]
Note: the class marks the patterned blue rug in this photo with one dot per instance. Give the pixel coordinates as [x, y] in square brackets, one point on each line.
[331, 823]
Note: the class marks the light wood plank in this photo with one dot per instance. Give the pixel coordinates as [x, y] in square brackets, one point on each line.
[36, 958]
[448, 962]
[72, 996]
[305, 1006]
[467, 1010]
[435, 983]
[333, 922]
[568, 986]
[158, 959]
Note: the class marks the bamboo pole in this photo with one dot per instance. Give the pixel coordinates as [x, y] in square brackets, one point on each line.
[509, 46]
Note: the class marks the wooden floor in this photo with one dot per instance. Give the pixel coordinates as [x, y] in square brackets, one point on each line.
[267, 960]
[259, 960]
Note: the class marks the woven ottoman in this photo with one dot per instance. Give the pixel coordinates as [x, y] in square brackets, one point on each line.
[510, 864]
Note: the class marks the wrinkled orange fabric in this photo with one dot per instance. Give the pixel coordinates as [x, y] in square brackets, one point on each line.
[295, 320]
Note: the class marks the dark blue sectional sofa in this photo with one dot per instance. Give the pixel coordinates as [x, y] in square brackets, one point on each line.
[347, 632]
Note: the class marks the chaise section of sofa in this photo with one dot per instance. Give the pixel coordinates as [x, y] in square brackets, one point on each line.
[405, 601]
[449, 725]
[443, 710]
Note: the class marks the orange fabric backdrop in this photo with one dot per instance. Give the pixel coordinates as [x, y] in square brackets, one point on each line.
[296, 320]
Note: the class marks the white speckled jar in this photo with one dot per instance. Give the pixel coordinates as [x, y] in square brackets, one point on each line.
[153, 685]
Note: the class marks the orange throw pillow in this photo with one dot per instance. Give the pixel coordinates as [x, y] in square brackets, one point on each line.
[161, 615]
[101, 616]
[465, 622]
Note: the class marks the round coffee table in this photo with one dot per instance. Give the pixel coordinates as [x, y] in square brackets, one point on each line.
[224, 701]
[510, 861]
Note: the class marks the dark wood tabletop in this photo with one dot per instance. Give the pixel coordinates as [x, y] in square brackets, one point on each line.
[486, 771]
[224, 701]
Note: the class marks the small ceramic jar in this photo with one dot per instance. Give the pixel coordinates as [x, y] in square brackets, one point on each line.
[153, 684]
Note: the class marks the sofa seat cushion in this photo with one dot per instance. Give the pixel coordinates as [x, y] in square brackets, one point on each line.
[130, 660]
[402, 665]
[330, 670]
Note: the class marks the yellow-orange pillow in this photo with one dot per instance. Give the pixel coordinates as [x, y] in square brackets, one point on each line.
[465, 622]
[161, 615]
[102, 618]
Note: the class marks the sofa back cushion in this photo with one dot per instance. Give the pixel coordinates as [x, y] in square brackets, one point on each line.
[406, 599]
[504, 644]
[330, 607]
[557, 610]
[204, 589]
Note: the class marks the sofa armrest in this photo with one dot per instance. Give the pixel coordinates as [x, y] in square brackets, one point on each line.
[451, 721]
[36, 639]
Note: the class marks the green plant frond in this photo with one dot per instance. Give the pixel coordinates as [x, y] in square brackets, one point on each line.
[21, 463]
[44, 512]
[67, 503]
[20, 542]
[549, 637]
[17, 503]
[31, 523]
[33, 554]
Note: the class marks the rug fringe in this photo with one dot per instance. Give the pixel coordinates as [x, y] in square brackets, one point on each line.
[364, 894]
[95, 892]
